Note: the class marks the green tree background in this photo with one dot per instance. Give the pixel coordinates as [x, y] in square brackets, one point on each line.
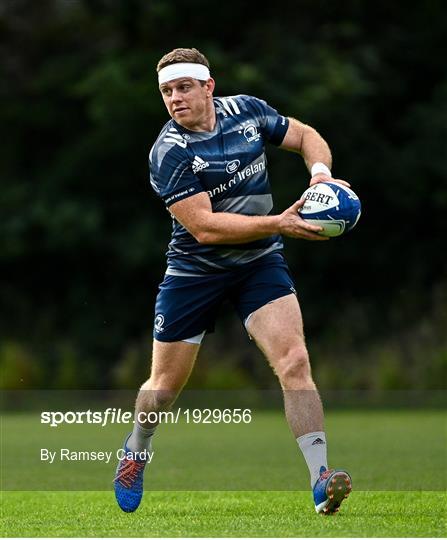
[83, 236]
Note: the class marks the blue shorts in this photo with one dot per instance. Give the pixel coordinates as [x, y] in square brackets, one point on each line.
[187, 306]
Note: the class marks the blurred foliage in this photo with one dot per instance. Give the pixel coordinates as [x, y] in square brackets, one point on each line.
[83, 237]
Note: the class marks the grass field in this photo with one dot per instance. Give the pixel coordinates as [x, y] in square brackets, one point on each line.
[236, 481]
[216, 514]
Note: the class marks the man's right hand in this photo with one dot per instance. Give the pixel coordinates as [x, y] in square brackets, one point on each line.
[293, 225]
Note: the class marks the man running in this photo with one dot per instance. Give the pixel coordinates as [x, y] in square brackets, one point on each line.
[208, 166]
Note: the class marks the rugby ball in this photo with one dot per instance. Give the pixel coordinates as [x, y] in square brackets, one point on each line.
[332, 206]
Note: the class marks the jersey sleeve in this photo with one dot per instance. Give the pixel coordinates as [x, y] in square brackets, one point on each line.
[272, 124]
[170, 173]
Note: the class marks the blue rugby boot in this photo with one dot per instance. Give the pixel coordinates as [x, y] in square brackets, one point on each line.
[128, 481]
[330, 490]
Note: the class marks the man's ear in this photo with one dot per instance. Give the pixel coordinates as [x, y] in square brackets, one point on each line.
[210, 85]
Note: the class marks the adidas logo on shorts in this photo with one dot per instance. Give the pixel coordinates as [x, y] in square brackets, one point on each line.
[199, 164]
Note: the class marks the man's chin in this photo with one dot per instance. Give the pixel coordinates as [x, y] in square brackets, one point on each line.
[183, 119]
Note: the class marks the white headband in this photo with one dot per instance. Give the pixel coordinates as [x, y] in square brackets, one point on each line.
[183, 69]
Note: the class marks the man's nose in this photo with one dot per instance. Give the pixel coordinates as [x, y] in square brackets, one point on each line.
[176, 95]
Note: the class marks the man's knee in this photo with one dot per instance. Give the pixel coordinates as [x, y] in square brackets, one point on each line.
[293, 367]
[157, 396]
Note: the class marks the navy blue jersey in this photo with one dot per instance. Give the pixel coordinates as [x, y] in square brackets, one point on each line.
[229, 163]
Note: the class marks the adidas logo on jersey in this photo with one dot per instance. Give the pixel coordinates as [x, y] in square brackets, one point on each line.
[199, 164]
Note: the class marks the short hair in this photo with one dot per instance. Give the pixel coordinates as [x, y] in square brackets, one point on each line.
[183, 55]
